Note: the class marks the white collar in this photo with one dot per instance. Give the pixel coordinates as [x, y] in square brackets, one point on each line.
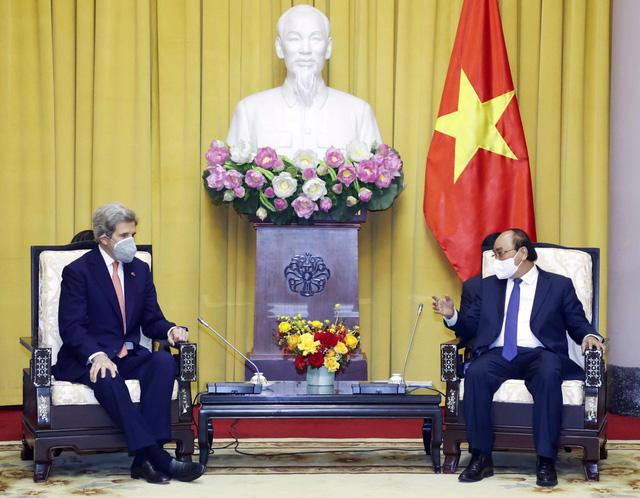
[291, 97]
[530, 277]
[108, 260]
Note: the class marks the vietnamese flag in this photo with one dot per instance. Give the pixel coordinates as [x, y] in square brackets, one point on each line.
[477, 178]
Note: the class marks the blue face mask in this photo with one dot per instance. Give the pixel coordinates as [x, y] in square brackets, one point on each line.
[125, 250]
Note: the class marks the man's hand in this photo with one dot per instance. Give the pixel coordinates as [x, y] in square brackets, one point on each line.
[443, 306]
[101, 363]
[178, 334]
[592, 341]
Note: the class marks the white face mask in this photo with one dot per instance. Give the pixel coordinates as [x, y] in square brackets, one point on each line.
[125, 250]
[505, 268]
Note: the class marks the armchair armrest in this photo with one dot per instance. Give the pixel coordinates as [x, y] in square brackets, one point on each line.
[27, 343]
[594, 396]
[449, 360]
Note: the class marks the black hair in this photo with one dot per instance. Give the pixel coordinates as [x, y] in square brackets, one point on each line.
[521, 239]
[489, 240]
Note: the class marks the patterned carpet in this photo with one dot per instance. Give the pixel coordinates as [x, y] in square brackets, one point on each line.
[320, 468]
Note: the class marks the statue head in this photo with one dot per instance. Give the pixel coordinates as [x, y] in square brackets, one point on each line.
[304, 42]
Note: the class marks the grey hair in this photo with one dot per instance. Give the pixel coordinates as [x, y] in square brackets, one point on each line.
[303, 8]
[106, 218]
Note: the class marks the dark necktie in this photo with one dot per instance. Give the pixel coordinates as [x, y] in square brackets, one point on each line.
[510, 349]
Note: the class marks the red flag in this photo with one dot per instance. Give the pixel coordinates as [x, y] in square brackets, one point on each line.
[477, 178]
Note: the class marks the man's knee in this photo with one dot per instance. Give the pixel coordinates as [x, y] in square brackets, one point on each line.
[162, 361]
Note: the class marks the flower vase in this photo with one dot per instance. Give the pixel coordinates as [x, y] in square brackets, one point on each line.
[320, 376]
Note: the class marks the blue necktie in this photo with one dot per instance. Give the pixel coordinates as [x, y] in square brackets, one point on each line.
[510, 349]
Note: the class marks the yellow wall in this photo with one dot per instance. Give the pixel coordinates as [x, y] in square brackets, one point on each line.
[118, 99]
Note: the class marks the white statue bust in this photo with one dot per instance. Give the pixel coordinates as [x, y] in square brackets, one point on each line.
[303, 113]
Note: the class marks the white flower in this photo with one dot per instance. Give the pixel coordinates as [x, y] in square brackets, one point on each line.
[242, 152]
[284, 185]
[314, 188]
[228, 196]
[261, 213]
[305, 158]
[358, 151]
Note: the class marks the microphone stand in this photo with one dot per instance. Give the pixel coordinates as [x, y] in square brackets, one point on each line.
[406, 358]
[258, 377]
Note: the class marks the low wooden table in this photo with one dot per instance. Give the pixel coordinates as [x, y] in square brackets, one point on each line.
[291, 399]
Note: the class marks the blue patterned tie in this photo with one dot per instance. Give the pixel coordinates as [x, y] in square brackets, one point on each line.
[510, 349]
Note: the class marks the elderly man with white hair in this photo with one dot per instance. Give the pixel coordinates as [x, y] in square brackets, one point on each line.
[303, 113]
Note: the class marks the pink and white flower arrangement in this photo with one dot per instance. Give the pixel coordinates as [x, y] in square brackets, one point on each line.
[280, 190]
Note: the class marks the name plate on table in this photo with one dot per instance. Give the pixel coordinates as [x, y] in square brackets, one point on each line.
[234, 388]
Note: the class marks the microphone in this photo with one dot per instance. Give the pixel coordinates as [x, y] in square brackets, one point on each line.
[258, 377]
[413, 333]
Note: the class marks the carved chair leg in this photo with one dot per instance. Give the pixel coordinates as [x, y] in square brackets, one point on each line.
[41, 471]
[451, 452]
[26, 452]
[591, 472]
[182, 450]
[603, 452]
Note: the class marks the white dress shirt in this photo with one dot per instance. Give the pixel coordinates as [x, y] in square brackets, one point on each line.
[275, 118]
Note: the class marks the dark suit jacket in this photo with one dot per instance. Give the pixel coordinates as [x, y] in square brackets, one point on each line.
[89, 316]
[556, 309]
[471, 289]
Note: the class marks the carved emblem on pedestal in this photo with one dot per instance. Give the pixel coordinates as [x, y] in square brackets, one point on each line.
[307, 274]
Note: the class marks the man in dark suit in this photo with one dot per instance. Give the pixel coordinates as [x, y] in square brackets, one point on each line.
[518, 325]
[107, 298]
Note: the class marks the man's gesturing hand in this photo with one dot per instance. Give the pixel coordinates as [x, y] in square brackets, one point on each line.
[101, 363]
[443, 306]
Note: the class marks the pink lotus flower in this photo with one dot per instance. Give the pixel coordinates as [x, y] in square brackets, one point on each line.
[367, 171]
[216, 177]
[266, 158]
[383, 149]
[334, 157]
[393, 164]
[365, 194]
[325, 204]
[384, 178]
[308, 173]
[304, 207]
[239, 192]
[269, 192]
[346, 174]
[280, 204]
[337, 188]
[218, 153]
[232, 179]
[322, 169]
[278, 165]
[254, 179]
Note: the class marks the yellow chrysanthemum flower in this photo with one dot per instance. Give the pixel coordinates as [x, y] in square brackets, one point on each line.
[307, 345]
[331, 363]
[292, 341]
[341, 348]
[351, 341]
[316, 324]
[284, 327]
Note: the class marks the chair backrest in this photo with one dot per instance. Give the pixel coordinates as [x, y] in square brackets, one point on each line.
[47, 263]
[581, 265]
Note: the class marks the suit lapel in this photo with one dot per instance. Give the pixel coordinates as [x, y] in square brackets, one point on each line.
[103, 279]
[501, 291]
[130, 283]
[542, 290]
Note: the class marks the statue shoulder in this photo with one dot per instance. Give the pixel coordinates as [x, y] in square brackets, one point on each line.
[344, 98]
[260, 99]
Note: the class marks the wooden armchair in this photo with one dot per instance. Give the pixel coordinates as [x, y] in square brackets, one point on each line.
[62, 415]
[584, 420]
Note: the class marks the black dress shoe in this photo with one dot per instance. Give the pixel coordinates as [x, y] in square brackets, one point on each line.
[185, 471]
[147, 472]
[546, 473]
[479, 467]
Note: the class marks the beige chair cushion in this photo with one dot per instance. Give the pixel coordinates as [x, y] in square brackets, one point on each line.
[68, 393]
[514, 391]
[51, 265]
[572, 263]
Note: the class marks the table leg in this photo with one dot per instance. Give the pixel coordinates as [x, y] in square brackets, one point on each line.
[436, 441]
[204, 440]
[426, 435]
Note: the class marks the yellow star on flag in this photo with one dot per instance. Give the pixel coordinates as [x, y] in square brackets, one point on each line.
[473, 125]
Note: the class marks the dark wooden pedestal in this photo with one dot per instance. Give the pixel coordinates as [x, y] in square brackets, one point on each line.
[307, 270]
